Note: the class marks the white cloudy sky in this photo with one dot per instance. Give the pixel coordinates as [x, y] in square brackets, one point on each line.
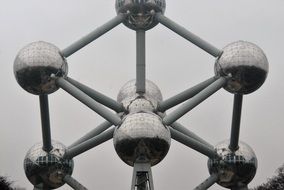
[172, 63]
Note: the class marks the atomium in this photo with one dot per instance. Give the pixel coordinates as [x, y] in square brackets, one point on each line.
[235, 168]
[47, 168]
[138, 121]
[34, 66]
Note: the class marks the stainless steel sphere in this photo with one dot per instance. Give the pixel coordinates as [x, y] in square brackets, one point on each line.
[47, 169]
[141, 105]
[140, 12]
[127, 93]
[35, 64]
[235, 168]
[142, 135]
[246, 63]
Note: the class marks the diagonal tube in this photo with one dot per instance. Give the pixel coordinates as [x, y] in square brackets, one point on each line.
[185, 131]
[236, 122]
[96, 131]
[188, 35]
[97, 96]
[73, 183]
[45, 123]
[140, 62]
[85, 99]
[194, 144]
[208, 182]
[93, 35]
[193, 102]
[89, 144]
[185, 95]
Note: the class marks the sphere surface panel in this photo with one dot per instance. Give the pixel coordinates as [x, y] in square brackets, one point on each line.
[140, 12]
[235, 168]
[142, 135]
[246, 63]
[141, 105]
[127, 93]
[35, 64]
[45, 168]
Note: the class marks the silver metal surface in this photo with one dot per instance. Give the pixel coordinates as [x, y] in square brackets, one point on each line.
[45, 168]
[140, 12]
[35, 64]
[234, 168]
[141, 105]
[246, 63]
[127, 93]
[142, 135]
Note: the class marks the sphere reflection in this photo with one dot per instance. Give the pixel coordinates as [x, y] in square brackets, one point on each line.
[140, 15]
[246, 63]
[142, 135]
[127, 94]
[234, 168]
[34, 66]
[46, 168]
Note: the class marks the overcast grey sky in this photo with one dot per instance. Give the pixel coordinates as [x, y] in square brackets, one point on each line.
[172, 63]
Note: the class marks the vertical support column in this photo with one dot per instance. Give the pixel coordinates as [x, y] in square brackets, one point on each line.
[140, 62]
[142, 176]
[45, 123]
[236, 122]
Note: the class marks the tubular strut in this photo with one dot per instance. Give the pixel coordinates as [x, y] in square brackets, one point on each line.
[188, 35]
[45, 123]
[236, 122]
[93, 35]
[85, 99]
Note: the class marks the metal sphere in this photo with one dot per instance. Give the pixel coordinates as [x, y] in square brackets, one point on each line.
[35, 64]
[140, 12]
[45, 168]
[247, 65]
[141, 105]
[127, 93]
[142, 135]
[234, 168]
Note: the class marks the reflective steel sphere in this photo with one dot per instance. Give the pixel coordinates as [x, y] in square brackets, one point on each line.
[235, 168]
[246, 63]
[45, 168]
[141, 105]
[127, 93]
[34, 66]
[140, 12]
[142, 135]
